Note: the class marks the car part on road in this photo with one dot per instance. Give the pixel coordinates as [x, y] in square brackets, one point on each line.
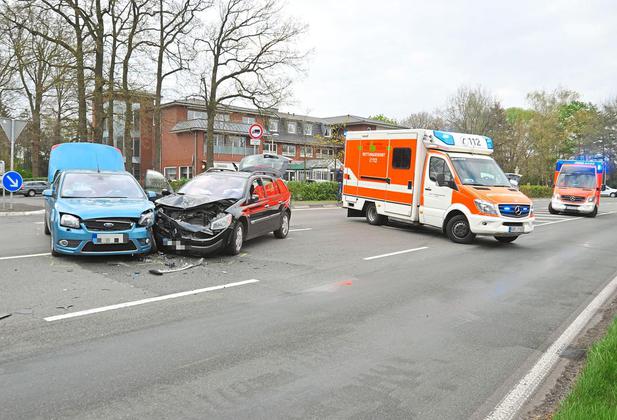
[4, 315]
[159, 272]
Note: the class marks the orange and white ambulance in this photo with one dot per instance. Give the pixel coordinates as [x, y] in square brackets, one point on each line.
[434, 178]
[577, 188]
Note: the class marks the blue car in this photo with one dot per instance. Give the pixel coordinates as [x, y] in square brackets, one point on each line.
[95, 207]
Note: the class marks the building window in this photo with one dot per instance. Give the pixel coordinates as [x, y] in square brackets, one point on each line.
[326, 153]
[291, 127]
[248, 120]
[136, 126]
[196, 115]
[269, 147]
[273, 126]
[308, 129]
[171, 172]
[136, 147]
[221, 117]
[401, 158]
[289, 150]
[186, 172]
[306, 151]
[328, 132]
[136, 170]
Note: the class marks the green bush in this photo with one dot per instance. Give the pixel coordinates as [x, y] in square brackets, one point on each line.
[312, 191]
[178, 183]
[536, 191]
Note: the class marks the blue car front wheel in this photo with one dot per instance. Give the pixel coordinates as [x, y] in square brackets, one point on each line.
[52, 243]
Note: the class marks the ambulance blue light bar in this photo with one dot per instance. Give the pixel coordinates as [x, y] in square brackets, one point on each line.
[447, 138]
[489, 142]
[599, 165]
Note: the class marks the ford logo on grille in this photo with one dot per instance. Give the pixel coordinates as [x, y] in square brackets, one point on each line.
[108, 225]
[517, 210]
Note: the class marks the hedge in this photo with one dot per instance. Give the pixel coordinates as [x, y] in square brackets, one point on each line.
[536, 191]
[176, 184]
[312, 191]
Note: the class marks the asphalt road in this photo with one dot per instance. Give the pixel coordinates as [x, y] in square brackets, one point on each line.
[441, 332]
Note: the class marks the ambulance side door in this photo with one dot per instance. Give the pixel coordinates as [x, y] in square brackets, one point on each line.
[437, 198]
[399, 196]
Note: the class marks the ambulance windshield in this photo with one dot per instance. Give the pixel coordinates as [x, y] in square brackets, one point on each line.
[479, 171]
[577, 177]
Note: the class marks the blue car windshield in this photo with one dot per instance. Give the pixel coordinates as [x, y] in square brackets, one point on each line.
[81, 185]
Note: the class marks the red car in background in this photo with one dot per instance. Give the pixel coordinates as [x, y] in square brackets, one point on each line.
[221, 208]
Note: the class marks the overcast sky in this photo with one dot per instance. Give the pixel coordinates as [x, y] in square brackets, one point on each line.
[400, 56]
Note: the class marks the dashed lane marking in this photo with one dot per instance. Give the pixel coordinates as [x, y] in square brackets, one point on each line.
[405, 251]
[148, 300]
[14, 257]
[300, 229]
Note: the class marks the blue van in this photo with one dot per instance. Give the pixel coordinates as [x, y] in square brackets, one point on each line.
[95, 207]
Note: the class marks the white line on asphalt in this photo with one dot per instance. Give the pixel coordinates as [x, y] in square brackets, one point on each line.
[514, 400]
[300, 230]
[14, 257]
[607, 212]
[558, 221]
[148, 300]
[395, 253]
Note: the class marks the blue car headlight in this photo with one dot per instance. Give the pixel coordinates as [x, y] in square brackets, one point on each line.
[70, 221]
[146, 218]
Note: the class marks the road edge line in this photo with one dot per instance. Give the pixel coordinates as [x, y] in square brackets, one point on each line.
[147, 300]
[523, 390]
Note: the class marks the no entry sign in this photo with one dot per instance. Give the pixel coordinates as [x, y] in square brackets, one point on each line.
[256, 131]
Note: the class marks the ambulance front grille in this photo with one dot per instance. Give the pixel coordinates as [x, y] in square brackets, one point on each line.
[514, 210]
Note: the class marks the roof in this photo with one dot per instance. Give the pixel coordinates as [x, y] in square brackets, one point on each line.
[354, 119]
[228, 127]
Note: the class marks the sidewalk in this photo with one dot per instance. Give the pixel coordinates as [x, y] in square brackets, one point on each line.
[314, 204]
[21, 206]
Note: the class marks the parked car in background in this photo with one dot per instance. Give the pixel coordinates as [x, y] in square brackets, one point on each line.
[32, 188]
[608, 191]
[221, 208]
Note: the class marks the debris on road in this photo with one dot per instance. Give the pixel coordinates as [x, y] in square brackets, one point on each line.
[66, 308]
[159, 272]
[4, 315]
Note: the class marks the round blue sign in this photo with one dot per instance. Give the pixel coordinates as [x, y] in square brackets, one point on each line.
[12, 181]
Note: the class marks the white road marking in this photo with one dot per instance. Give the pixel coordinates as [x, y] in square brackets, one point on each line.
[558, 221]
[514, 400]
[607, 212]
[395, 253]
[300, 229]
[14, 257]
[38, 223]
[148, 300]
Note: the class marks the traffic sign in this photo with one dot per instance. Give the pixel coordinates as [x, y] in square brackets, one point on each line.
[256, 131]
[12, 181]
[12, 128]
[255, 142]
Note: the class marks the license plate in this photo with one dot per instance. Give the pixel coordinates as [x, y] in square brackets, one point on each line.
[516, 229]
[109, 238]
[573, 208]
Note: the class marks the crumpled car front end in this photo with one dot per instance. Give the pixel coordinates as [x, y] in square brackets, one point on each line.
[202, 228]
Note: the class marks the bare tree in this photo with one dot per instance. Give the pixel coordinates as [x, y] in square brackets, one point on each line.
[248, 52]
[174, 21]
[469, 111]
[425, 120]
[34, 60]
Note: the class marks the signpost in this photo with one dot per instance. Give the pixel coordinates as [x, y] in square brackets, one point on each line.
[256, 131]
[12, 129]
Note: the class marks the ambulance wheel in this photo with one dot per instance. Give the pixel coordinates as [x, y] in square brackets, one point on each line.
[458, 230]
[506, 239]
[551, 210]
[594, 213]
[373, 217]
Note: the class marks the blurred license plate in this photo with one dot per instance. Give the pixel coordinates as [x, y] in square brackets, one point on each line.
[516, 229]
[109, 238]
[575, 208]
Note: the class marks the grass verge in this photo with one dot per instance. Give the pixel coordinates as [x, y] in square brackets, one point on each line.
[595, 393]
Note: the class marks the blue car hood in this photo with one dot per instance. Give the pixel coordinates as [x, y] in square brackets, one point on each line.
[93, 208]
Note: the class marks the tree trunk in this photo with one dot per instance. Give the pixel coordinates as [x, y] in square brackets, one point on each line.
[211, 112]
[99, 80]
[157, 112]
[35, 141]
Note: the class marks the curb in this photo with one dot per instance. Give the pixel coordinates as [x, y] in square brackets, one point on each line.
[21, 213]
[316, 206]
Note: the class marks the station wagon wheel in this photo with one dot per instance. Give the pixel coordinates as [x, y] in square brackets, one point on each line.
[284, 229]
[31, 193]
[236, 240]
[459, 231]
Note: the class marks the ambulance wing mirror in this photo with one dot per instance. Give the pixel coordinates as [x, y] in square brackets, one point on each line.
[441, 181]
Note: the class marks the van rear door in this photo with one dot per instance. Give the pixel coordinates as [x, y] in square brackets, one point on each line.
[373, 179]
[399, 195]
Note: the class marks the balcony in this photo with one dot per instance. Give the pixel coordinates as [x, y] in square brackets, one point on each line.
[234, 150]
